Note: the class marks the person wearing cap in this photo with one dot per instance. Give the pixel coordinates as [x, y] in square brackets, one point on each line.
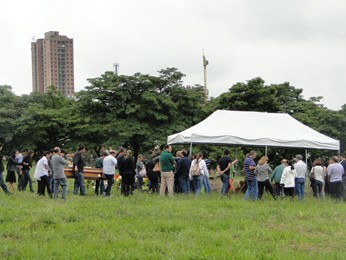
[302, 170]
[109, 164]
[276, 176]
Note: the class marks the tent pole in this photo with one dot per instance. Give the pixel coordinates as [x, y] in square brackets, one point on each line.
[266, 151]
[191, 149]
[306, 156]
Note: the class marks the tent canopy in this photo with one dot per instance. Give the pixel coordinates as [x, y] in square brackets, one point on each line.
[225, 127]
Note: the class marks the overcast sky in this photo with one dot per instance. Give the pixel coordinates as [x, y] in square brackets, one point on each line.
[302, 42]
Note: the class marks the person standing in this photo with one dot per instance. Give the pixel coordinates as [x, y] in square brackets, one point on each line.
[205, 181]
[335, 171]
[11, 171]
[19, 159]
[288, 179]
[167, 175]
[109, 163]
[343, 163]
[2, 168]
[120, 158]
[58, 163]
[183, 171]
[276, 177]
[262, 172]
[317, 174]
[27, 164]
[78, 168]
[129, 172]
[249, 166]
[152, 175]
[100, 185]
[140, 168]
[301, 169]
[224, 169]
[198, 170]
[41, 174]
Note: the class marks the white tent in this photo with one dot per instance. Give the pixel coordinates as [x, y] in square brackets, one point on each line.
[254, 129]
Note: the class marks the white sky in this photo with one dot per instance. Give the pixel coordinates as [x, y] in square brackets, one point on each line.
[302, 42]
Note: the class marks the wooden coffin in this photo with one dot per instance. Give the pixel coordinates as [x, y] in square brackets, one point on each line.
[89, 173]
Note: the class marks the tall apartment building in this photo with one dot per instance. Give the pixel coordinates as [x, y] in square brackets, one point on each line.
[52, 63]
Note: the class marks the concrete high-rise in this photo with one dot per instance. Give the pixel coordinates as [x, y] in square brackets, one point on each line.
[52, 63]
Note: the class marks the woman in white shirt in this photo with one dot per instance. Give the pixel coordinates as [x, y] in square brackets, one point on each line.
[198, 170]
[287, 179]
[317, 174]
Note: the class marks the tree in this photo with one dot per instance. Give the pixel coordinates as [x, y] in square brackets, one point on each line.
[138, 111]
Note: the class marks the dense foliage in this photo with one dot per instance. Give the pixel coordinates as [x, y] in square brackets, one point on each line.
[140, 111]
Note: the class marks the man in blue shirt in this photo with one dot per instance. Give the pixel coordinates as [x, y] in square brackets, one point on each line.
[250, 177]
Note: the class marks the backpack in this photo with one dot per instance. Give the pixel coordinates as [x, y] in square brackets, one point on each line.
[195, 170]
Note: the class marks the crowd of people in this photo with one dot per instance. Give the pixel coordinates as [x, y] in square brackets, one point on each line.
[168, 174]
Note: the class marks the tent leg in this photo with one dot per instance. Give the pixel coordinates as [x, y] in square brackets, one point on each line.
[266, 151]
[190, 149]
[306, 156]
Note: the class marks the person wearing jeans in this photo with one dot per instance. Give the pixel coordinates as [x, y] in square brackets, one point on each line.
[78, 167]
[252, 189]
[224, 170]
[183, 170]
[250, 177]
[197, 176]
[301, 169]
[317, 175]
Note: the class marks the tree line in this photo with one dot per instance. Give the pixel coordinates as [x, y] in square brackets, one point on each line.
[139, 111]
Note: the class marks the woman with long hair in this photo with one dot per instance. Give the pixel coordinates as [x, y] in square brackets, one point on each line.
[198, 170]
[262, 172]
[11, 170]
[317, 176]
[287, 179]
[129, 172]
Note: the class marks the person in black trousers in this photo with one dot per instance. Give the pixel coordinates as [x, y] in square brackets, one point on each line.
[128, 170]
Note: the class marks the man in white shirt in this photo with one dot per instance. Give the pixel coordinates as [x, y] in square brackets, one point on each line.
[301, 169]
[42, 176]
[109, 164]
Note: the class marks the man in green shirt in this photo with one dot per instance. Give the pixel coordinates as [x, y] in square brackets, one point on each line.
[167, 175]
[276, 176]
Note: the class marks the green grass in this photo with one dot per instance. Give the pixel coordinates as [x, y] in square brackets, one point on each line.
[183, 227]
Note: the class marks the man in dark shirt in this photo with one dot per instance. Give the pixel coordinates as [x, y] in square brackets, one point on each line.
[183, 169]
[2, 183]
[223, 168]
[120, 160]
[78, 169]
[27, 164]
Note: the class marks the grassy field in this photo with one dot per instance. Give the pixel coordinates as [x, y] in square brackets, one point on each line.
[183, 227]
